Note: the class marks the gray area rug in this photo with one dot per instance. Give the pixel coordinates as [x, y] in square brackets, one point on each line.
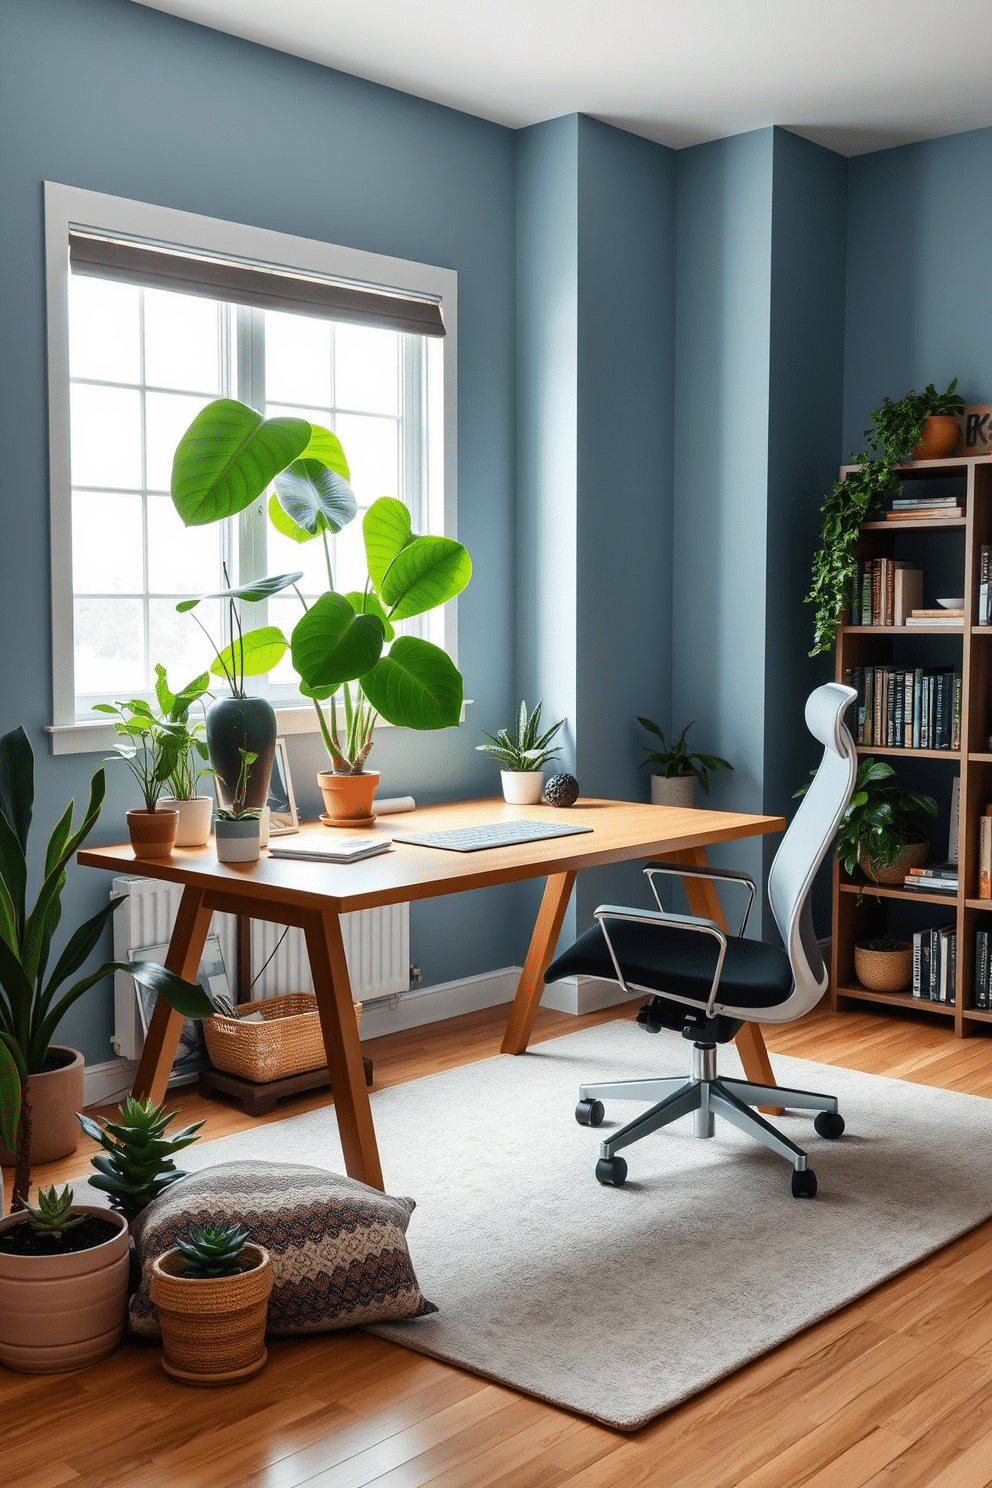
[619, 1303]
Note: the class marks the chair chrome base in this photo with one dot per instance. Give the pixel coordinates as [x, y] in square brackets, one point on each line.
[706, 1097]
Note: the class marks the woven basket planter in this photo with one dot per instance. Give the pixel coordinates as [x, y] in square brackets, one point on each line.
[213, 1327]
[884, 971]
[287, 1041]
[913, 855]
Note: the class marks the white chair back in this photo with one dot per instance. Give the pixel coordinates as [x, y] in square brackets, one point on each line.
[805, 845]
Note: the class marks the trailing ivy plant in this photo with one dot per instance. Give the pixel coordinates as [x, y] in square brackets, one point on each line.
[851, 501]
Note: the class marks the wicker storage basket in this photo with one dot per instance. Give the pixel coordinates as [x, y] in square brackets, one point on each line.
[286, 1042]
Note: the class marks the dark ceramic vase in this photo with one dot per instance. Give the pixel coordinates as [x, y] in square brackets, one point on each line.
[246, 723]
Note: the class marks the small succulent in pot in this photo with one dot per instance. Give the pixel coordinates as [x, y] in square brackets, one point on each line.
[213, 1250]
[53, 1216]
[529, 750]
[136, 1163]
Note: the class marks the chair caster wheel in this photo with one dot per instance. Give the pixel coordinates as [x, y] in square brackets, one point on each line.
[829, 1124]
[804, 1184]
[611, 1172]
[590, 1113]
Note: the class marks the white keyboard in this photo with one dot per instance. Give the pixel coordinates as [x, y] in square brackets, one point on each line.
[491, 834]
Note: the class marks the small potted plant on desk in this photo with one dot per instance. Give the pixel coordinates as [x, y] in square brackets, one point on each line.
[675, 783]
[151, 749]
[191, 763]
[523, 758]
[238, 828]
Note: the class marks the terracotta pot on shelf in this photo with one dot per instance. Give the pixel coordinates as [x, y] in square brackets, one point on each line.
[56, 1095]
[62, 1312]
[941, 432]
[913, 855]
[152, 833]
[884, 971]
[348, 798]
[213, 1327]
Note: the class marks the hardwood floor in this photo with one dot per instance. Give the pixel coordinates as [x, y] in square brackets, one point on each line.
[895, 1391]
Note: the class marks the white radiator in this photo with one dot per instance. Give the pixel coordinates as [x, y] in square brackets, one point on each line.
[376, 943]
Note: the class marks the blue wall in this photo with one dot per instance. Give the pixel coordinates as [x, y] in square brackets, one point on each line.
[662, 360]
[114, 97]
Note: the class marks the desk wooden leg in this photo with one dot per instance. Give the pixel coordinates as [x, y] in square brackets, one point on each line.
[162, 1038]
[547, 928]
[332, 986]
[704, 901]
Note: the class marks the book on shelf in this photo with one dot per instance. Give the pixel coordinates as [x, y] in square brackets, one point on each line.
[885, 592]
[907, 708]
[907, 593]
[330, 849]
[947, 886]
[935, 963]
[947, 943]
[935, 870]
[982, 970]
[954, 826]
[924, 513]
[985, 854]
[984, 616]
[913, 503]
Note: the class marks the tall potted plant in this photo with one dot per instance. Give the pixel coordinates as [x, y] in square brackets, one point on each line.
[344, 644]
[34, 1000]
[191, 763]
[898, 435]
[150, 747]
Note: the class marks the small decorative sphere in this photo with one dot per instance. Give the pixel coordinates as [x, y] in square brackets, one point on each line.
[561, 790]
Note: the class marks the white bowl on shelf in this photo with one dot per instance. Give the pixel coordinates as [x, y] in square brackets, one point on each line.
[952, 604]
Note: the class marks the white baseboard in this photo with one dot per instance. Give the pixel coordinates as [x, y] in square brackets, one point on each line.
[111, 1081]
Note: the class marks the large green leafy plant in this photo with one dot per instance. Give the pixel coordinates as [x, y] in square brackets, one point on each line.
[33, 1001]
[853, 500]
[345, 644]
[882, 817]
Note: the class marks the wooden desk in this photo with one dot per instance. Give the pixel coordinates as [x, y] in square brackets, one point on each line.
[312, 896]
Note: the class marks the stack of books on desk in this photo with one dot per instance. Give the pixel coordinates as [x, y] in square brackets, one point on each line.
[935, 878]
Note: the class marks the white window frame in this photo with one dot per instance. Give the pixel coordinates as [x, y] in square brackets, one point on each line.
[70, 206]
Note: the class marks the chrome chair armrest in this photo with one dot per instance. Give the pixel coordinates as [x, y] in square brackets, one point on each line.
[683, 870]
[676, 922]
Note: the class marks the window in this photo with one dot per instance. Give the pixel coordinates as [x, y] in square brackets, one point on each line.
[134, 357]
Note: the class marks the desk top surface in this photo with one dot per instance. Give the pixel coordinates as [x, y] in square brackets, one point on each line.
[621, 830]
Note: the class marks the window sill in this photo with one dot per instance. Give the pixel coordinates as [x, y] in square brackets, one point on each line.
[97, 737]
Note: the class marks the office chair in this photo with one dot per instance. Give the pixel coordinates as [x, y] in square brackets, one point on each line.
[706, 984]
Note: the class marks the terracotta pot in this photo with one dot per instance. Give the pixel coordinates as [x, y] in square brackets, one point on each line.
[213, 1327]
[522, 787]
[884, 971]
[941, 433]
[673, 790]
[348, 798]
[195, 817]
[152, 833]
[913, 855]
[64, 1312]
[55, 1095]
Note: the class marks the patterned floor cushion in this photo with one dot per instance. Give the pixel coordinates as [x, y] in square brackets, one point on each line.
[338, 1247]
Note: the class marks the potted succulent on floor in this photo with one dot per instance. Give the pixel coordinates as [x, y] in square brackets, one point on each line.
[136, 1161]
[882, 830]
[211, 1293]
[224, 461]
[150, 747]
[899, 434]
[34, 1000]
[883, 964]
[674, 784]
[191, 763]
[523, 758]
[63, 1284]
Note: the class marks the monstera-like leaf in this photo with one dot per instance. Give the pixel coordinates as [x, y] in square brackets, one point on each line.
[228, 456]
[416, 685]
[332, 644]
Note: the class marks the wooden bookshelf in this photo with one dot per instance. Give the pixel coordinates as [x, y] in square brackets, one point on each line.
[862, 910]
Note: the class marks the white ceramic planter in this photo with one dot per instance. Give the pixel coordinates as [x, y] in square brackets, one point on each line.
[194, 819]
[238, 841]
[522, 787]
[673, 790]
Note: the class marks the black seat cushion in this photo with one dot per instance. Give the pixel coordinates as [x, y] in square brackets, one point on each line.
[666, 959]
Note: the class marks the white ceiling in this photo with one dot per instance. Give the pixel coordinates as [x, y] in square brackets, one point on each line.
[854, 75]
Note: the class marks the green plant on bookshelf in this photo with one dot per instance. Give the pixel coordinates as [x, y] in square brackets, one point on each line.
[882, 818]
[898, 425]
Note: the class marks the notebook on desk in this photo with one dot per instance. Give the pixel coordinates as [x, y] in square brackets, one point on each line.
[330, 849]
[490, 834]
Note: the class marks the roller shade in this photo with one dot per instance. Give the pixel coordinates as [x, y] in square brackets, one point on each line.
[242, 283]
